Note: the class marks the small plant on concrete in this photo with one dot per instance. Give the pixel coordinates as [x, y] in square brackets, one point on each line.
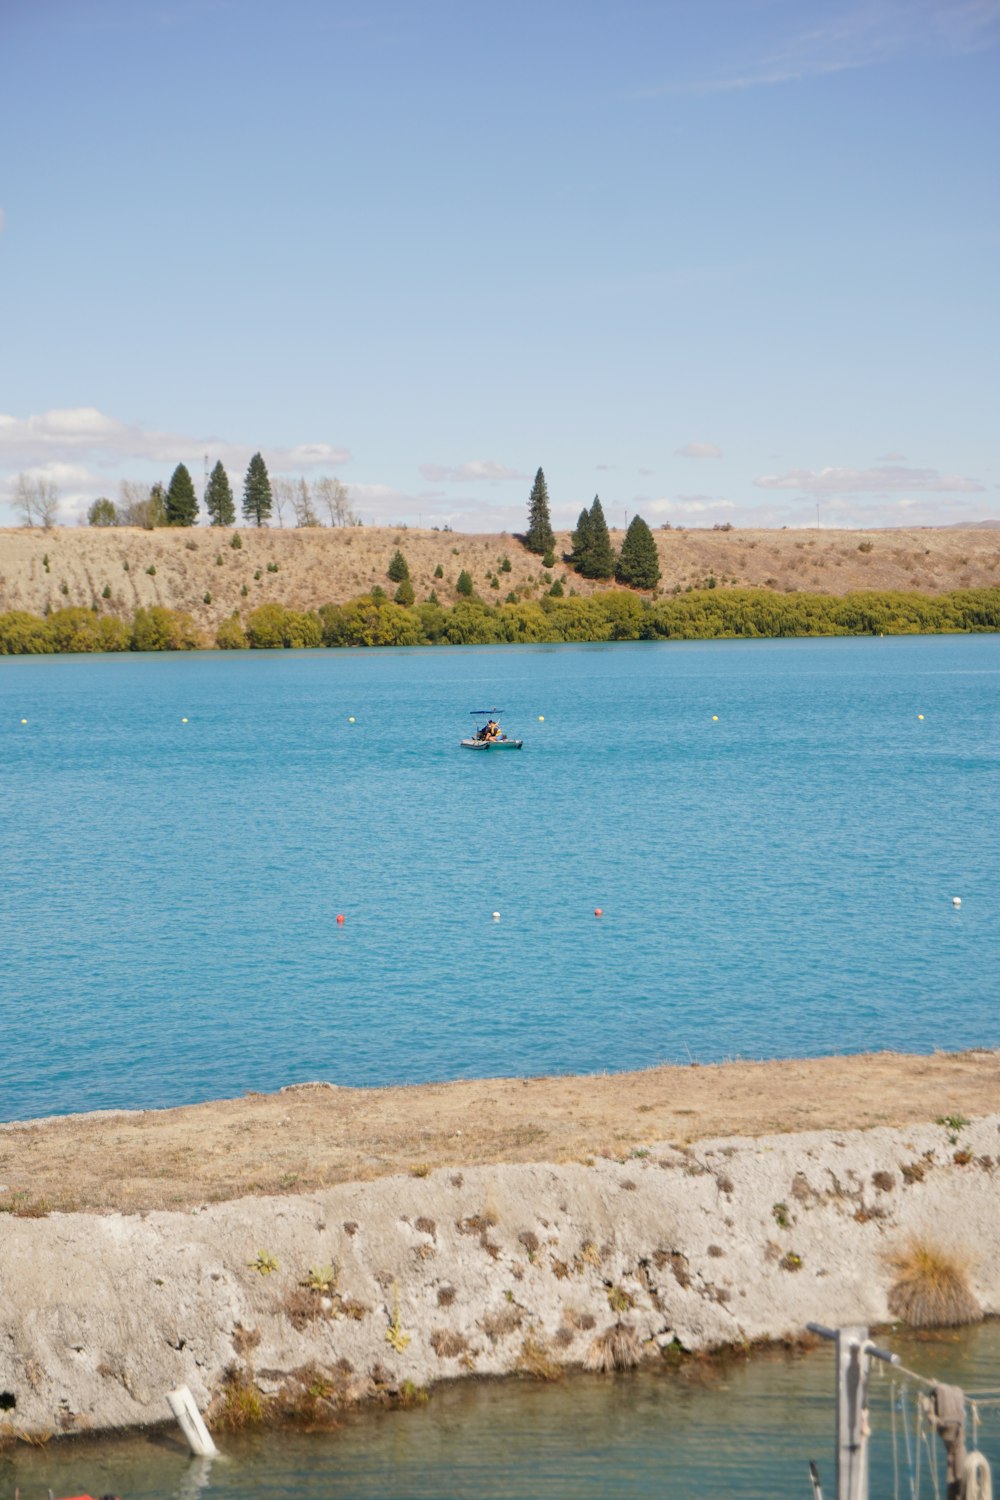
[321, 1278]
[529, 1240]
[791, 1262]
[931, 1287]
[394, 1334]
[619, 1300]
[781, 1216]
[954, 1125]
[151, 570]
[264, 1263]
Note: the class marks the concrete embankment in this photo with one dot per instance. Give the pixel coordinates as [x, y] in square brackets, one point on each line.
[482, 1270]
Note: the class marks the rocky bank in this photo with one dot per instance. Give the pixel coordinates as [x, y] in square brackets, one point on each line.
[486, 1270]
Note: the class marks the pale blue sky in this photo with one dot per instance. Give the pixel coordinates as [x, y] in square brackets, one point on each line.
[712, 259]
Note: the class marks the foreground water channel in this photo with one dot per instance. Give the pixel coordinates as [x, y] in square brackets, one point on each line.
[740, 1428]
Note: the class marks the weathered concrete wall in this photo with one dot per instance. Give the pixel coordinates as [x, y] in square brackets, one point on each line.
[729, 1241]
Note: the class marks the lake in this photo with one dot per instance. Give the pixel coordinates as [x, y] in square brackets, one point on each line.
[772, 830]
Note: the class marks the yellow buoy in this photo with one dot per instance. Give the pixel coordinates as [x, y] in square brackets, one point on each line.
[351, 720]
[715, 718]
[541, 718]
[24, 721]
[919, 716]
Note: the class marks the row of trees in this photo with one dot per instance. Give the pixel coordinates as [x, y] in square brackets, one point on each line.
[593, 554]
[614, 615]
[324, 501]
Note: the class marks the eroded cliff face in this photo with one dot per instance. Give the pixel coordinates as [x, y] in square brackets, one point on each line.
[484, 1270]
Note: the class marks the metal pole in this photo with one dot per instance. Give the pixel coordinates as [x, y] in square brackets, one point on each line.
[854, 1350]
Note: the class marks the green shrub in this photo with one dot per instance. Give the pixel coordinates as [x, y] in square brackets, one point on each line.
[404, 594]
[398, 569]
[230, 636]
[106, 591]
[236, 541]
[464, 584]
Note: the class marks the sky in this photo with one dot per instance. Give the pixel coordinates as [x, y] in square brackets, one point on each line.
[713, 260]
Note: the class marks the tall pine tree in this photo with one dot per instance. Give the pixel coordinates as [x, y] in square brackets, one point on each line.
[181, 502]
[539, 537]
[598, 560]
[219, 498]
[257, 492]
[639, 563]
[581, 540]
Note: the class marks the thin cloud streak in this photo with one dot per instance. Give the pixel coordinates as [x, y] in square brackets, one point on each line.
[860, 37]
[888, 480]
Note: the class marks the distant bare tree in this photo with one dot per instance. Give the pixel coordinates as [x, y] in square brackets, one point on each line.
[332, 495]
[24, 499]
[282, 495]
[36, 501]
[140, 504]
[305, 512]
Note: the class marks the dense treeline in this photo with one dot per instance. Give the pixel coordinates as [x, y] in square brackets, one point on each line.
[614, 615]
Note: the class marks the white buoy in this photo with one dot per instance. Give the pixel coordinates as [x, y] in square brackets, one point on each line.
[496, 916]
[956, 900]
[182, 1404]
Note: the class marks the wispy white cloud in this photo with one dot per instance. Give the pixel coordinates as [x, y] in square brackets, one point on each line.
[889, 479]
[476, 469]
[68, 433]
[699, 450]
[891, 458]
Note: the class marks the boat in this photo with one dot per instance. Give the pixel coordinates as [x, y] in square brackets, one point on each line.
[484, 739]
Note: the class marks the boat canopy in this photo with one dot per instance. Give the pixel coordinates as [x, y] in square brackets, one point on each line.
[480, 713]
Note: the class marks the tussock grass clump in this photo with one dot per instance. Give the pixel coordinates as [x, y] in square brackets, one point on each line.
[536, 1359]
[496, 1325]
[617, 1348]
[931, 1287]
[448, 1344]
[240, 1403]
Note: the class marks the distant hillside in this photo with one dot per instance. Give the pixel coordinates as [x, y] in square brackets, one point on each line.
[200, 571]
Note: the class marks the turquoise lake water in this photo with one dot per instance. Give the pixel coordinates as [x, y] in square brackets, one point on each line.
[740, 1432]
[777, 881]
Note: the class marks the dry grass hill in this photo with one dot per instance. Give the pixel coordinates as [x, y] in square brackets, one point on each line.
[199, 569]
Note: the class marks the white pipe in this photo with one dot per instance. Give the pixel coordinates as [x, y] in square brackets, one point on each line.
[182, 1404]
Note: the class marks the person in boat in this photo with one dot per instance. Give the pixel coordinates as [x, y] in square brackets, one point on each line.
[490, 731]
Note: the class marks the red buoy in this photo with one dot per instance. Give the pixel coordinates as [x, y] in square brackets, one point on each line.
[340, 919]
[598, 912]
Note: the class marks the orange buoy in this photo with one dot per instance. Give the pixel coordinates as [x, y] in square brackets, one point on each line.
[340, 919]
[598, 912]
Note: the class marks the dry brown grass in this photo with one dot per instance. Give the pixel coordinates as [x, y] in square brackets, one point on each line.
[447, 1343]
[931, 1287]
[535, 1358]
[617, 1348]
[314, 1136]
[322, 565]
